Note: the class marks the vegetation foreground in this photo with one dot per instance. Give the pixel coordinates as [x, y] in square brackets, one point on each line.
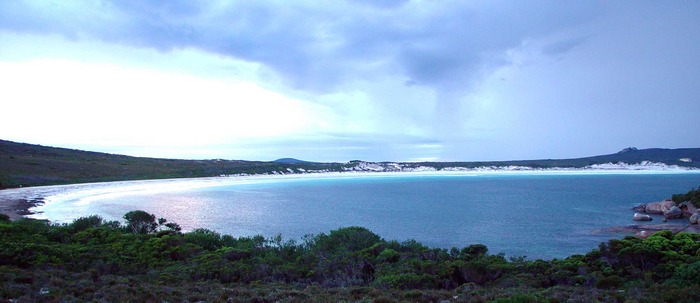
[150, 260]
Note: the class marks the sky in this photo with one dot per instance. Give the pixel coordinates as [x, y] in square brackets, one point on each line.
[385, 80]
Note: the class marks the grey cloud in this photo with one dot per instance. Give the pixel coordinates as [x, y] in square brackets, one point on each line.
[563, 46]
[445, 46]
[317, 47]
[461, 41]
[442, 46]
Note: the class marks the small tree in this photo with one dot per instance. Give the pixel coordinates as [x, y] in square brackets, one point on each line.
[171, 226]
[141, 222]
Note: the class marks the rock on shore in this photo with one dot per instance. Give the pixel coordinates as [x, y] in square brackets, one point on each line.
[667, 208]
[657, 208]
[641, 217]
[688, 208]
[695, 218]
[673, 213]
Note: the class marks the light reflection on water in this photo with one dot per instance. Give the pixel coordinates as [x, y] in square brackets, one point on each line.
[535, 215]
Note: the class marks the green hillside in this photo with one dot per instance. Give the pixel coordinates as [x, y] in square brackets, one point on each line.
[34, 165]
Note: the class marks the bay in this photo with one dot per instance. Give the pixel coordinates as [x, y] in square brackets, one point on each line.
[537, 215]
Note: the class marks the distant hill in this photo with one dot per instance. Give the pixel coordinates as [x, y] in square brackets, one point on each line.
[32, 165]
[290, 161]
[689, 157]
[24, 164]
[684, 157]
[655, 158]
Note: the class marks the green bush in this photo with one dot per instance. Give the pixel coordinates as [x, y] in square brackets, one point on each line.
[521, 298]
[609, 282]
[693, 196]
[687, 274]
[204, 238]
[84, 223]
[347, 239]
[388, 255]
[406, 281]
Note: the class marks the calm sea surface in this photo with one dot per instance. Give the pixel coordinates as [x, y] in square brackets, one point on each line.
[533, 215]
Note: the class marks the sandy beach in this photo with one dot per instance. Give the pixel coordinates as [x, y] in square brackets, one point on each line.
[18, 202]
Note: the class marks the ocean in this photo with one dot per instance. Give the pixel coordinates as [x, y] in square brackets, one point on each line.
[536, 215]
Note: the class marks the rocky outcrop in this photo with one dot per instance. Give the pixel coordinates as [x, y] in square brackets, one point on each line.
[673, 213]
[688, 208]
[641, 217]
[668, 209]
[659, 208]
[640, 208]
[695, 218]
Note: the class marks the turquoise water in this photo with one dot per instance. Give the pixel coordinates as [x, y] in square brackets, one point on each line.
[537, 215]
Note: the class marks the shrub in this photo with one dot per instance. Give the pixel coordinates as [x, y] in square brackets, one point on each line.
[384, 299]
[234, 254]
[348, 239]
[388, 255]
[205, 238]
[406, 281]
[693, 196]
[609, 282]
[687, 274]
[84, 223]
[521, 298]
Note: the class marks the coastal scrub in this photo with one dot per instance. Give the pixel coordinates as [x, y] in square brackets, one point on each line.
[93, 259]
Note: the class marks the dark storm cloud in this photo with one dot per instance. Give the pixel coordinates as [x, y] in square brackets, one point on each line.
[554, 77]
[456, 43]
[316, 47]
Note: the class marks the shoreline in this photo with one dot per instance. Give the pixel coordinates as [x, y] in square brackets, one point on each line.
[645, 230]
[23, 202]
[18, 208]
